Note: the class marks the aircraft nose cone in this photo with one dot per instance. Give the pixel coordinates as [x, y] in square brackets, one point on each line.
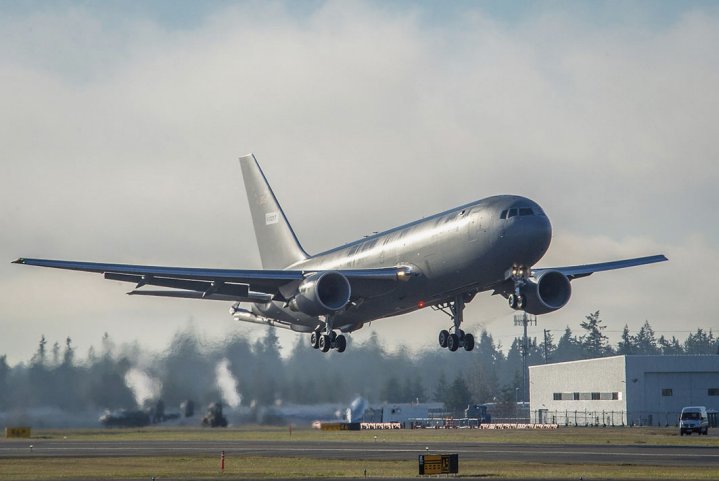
[544, 233]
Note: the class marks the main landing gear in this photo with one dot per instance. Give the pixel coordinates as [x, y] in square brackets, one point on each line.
[453, 341]
[329, 340]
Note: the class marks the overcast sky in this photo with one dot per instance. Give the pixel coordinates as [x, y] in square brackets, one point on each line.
[121, 124]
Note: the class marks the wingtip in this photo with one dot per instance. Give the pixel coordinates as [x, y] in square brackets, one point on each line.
[19, 261]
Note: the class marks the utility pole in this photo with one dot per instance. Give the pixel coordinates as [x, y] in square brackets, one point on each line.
[524, 321]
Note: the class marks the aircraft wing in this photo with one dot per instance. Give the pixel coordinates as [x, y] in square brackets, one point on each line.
[217, 284]
[575, 272]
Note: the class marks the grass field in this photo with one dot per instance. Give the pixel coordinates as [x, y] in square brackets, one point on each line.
[207, 467]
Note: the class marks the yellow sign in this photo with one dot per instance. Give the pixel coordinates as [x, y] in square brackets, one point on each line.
[432, 464]
[438, 464]
[17, 432]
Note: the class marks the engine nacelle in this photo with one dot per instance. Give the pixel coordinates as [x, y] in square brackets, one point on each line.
[321, 294]
[547, 293]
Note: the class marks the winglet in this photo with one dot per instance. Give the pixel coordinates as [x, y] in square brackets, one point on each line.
[18, 261]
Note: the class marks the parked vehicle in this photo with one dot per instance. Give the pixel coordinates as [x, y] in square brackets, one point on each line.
[694, 419]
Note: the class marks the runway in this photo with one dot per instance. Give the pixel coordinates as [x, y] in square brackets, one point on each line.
[684, 455]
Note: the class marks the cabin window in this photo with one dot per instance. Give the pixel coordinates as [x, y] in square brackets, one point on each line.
[503, 215]
[713, 391]
[512, 213]
[666, 392]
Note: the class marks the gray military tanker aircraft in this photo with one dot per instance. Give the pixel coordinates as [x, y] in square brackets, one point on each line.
[441, 261]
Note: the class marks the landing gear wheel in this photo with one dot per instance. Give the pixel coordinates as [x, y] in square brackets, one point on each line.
[325, 343]
[315, 339]
[340, 343]
[453, 342]
[512, 301]
[460, 334]
[468, 342]
[521, 301]
[333, 336]
[443, 335]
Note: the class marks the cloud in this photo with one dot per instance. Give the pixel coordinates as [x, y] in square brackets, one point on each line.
[121, 135]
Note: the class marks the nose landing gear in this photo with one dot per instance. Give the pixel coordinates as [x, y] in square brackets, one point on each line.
[517, 300]
[453, 341]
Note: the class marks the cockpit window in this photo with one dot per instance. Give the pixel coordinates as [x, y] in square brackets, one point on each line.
[512, 213]
[525, 211]
[503, 215]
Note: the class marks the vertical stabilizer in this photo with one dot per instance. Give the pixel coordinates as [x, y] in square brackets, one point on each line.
[278, 244]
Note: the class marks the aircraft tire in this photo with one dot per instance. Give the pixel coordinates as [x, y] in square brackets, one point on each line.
[461, 334]
[521, 301]
[315, 339]
[468, 342]
[512, 301]
[443, 335]
[453, 342]
[341, 343]
[333, 336]
[325, 343]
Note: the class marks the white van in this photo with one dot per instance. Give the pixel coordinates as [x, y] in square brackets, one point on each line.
[694, 419]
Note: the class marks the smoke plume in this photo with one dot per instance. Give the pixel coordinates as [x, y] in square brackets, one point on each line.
[144, 387]
[227, 384]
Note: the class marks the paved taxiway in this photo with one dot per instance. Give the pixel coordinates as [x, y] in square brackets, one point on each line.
[547, 453]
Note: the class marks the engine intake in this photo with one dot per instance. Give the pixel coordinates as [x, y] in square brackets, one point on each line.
[549, 292]
[322, 293]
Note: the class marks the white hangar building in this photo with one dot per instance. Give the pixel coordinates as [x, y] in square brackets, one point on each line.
[622, 390]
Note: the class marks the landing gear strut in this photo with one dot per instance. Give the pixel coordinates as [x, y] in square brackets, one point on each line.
[329, 340]
[517, 300]
[453, 341]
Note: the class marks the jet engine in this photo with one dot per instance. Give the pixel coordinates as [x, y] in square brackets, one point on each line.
[321, 294]
[549, 292]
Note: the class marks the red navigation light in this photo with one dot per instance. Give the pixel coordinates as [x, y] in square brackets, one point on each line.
[420, 304]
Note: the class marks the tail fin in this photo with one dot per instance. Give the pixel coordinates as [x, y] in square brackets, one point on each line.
[278, 244]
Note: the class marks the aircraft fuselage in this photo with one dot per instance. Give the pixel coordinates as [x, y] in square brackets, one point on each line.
[468, 248]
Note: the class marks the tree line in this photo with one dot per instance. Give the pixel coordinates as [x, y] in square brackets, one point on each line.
[187, 370]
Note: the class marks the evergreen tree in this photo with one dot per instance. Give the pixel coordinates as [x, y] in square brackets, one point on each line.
[484, 374]
[392, 391]
[594, 342]
[547, 348]
[440, 391]
[627, 346]
[673, 347]
[645, 341]
[458, 396]
[700, 343]
[40, 356]
[4, 385]
[568, 347]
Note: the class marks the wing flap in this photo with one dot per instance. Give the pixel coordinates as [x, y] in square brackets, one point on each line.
[250, 297]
